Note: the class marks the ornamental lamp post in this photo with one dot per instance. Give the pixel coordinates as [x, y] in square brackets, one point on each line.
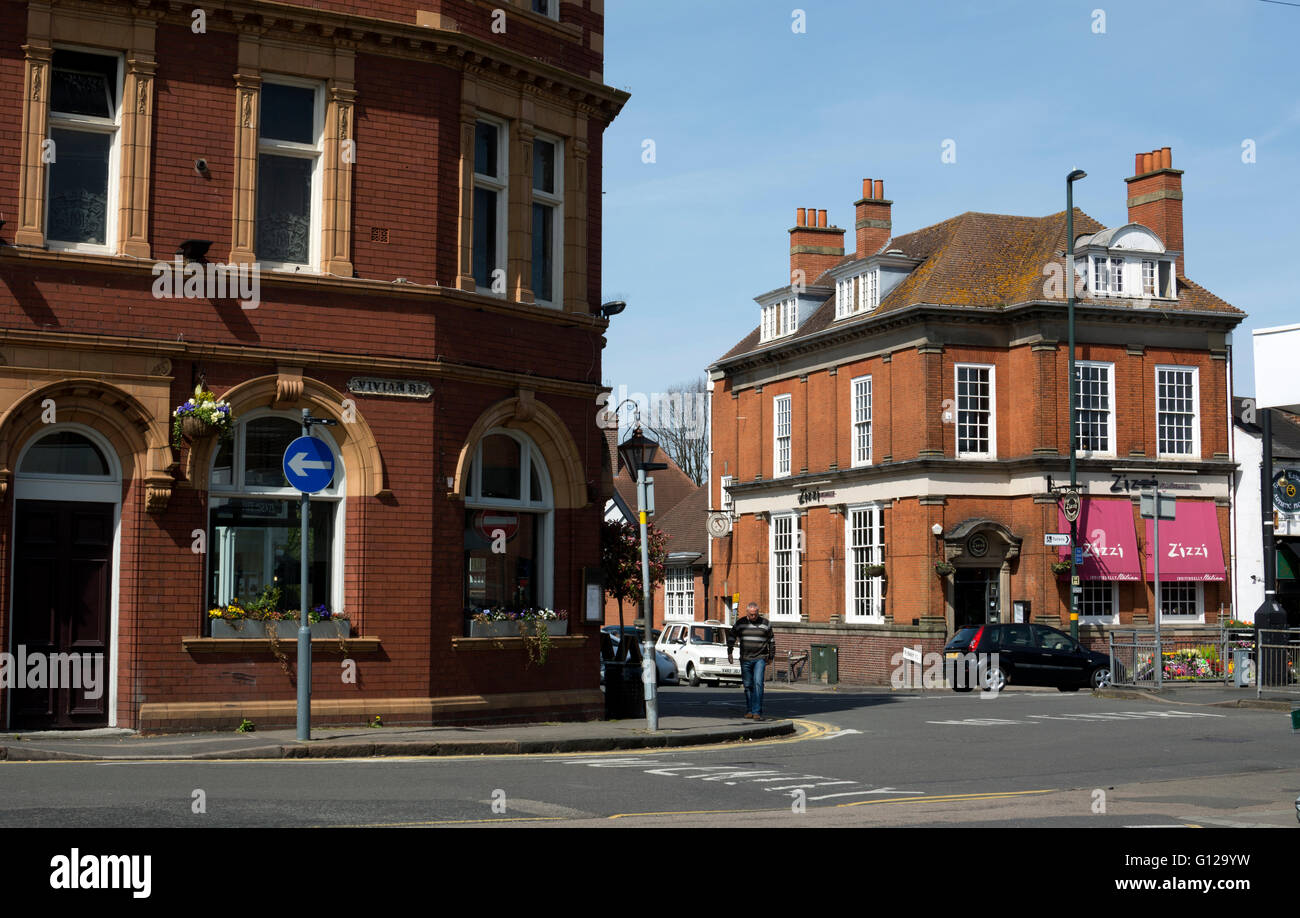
[636, 452]
[1073, 396]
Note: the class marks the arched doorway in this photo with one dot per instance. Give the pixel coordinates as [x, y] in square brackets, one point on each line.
[67, 512]
[982, 552]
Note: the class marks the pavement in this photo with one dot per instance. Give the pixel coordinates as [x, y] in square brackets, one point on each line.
[1209, 694]
[120, 745]
[114, 745]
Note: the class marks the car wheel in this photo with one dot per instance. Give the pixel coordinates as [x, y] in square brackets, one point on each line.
[693, 675]
[993, 678]
[1100, 676]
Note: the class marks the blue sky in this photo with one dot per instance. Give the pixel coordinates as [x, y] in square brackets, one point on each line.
[750, 120]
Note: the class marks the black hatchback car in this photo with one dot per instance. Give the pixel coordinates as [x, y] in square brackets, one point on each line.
[992, 656]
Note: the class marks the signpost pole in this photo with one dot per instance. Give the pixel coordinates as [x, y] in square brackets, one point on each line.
[649, 666]
[304, 628]
[1155, 555]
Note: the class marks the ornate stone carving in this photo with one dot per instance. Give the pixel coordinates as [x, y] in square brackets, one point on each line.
[158, 491]
[288, 386]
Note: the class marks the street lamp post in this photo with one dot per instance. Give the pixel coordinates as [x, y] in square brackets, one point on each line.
[636, 452]
[1074, 470]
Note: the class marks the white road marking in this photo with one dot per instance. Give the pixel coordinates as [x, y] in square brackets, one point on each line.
[845, 732]
[1110, 716]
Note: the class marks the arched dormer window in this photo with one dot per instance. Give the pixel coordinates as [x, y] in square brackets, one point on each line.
[254, 527]
[509, 526]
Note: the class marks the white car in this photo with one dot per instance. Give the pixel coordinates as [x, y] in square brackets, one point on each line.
[700, 651]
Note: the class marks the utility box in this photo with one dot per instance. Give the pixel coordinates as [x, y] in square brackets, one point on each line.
[825, 662]
[1241, 667]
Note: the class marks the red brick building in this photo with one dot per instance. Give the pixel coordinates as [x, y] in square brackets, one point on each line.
[903, 405]
[413, 186]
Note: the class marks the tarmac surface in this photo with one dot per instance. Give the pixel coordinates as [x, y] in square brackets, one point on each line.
[110, 744]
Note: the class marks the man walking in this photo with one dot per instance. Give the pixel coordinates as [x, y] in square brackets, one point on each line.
[757, 649]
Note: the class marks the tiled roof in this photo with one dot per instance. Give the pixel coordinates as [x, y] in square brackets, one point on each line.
[672, 485]
[983, 260]
[687, 523]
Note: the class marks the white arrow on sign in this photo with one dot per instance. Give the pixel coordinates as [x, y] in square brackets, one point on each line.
[300, 464]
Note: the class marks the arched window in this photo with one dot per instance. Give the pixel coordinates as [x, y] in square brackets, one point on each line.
[69, 462]
[509, 526]
[254, 526]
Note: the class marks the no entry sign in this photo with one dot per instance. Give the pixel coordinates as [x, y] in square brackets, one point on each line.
[486, 522]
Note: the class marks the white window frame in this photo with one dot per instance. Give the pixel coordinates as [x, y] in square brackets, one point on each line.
[993, 413]
[335, 495]
[1152, 289]
[554, 200]
[1196, 412]
[843, 297]
[789, 316]
[500, 184]
[860, 421]
[552, 9]
[314, 152]
[88, 124]
[724, 497]
[778, 437]
[1197, 617]
[779, 521]
[868, 290]
[1110, 411]
[679, 593]
[1113, 588]
[875, 555]
[529, 455]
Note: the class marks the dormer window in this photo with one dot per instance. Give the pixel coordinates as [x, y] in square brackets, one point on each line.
[779, 319]
[1128, 261]
[857, 293]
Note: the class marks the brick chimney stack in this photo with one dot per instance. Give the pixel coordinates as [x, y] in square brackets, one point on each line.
[1155, 199]
[814, 246]
[874, 223]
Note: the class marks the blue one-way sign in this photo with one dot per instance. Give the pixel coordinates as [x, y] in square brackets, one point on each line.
[309, 465]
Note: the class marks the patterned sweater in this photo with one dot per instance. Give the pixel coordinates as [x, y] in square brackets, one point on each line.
[756, 639]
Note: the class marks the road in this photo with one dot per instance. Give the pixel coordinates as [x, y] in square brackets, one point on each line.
[874, 759]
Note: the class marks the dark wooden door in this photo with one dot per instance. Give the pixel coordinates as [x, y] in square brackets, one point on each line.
[970, 596]
[63, 573]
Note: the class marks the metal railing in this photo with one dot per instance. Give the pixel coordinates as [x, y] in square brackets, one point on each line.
[1210, 655]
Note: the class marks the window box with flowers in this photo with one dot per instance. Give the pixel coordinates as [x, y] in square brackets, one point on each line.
[492, 623]
[261, 618]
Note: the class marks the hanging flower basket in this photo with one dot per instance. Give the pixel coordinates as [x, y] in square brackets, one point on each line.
[943, 569]
[1060, 567]
[204, 415]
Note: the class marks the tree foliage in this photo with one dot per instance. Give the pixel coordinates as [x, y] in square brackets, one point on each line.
[682, 430]
[620, 559]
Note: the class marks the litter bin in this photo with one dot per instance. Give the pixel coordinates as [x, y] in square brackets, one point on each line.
[825, 659]
[624, 693]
